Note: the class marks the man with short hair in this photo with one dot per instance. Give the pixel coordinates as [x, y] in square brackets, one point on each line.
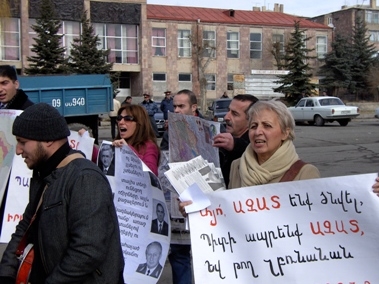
[70, 219]
[167, 105]
[233, 143]
[151, 108]
[11, 97]
[184, 102]
[152, 267]
[159, 225]
[127, 101]
[106, 159]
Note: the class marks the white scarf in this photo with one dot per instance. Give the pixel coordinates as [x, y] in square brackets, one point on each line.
[252, 173]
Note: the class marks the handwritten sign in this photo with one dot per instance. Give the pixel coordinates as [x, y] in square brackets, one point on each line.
[313, 231]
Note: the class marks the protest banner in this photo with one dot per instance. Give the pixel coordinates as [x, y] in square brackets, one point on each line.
[140, 207]
[7, 146]
[309, 231]
[19, 181]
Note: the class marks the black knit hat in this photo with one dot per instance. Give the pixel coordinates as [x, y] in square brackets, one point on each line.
[40, 122]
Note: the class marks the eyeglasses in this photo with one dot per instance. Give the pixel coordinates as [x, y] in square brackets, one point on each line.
[126, 118]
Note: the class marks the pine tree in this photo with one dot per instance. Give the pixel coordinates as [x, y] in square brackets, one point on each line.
[338, 64]
[363, 58]
[297, 81]
[49, 54]
[85, 57]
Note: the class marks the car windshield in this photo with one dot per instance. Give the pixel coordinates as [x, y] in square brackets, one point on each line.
[222, 104]
[331, 102]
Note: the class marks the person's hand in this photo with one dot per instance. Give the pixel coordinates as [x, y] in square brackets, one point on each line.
[182, 209]
[83, 132]
[119, 143]
[376, 186]
[224, 140]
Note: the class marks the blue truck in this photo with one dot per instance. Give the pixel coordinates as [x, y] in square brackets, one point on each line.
[79, 98]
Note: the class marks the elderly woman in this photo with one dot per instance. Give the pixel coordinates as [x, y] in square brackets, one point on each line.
[271, 152]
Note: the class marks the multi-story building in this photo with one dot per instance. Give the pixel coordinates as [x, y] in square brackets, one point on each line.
[156, 47]
[343, 21]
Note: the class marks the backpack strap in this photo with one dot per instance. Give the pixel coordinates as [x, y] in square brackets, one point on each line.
[292, 172]
[69, 158]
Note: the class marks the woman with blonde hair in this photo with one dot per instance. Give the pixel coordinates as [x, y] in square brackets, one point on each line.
[134, 129]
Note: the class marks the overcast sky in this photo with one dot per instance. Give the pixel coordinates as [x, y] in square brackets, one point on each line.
[306, 8]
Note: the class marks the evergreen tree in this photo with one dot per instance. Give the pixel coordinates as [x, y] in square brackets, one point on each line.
[85, 57]
[49, 53]
[297, 82]
[338, 64]
[363, 54]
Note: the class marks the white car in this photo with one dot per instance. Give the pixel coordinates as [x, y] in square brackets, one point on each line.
[318, 110]
[377, 113]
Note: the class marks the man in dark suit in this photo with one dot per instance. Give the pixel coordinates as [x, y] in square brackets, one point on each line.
[152, 267]
[159, 225]
[106, 159]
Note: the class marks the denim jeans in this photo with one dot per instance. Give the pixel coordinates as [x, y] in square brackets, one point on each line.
[180, 260]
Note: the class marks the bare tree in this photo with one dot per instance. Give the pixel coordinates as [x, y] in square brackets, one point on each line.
[204, 53]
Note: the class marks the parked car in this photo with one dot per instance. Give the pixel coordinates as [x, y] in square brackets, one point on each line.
[159, 120]
[377, 113]
[318, 110]
[218, 109]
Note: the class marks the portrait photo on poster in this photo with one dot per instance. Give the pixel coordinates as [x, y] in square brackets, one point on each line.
[159, 224]
[106, 159]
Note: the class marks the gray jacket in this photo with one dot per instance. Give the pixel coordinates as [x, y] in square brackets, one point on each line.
[78, 230]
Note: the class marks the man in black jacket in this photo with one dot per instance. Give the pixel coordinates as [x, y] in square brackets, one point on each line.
[11, 97]
[233, 143]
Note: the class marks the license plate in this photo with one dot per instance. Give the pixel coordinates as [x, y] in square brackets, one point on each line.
[160, 126]
[345, 111]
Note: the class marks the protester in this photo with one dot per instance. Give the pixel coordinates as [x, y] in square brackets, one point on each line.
[113, 115]
[271, 152]
[224, 95]
[184, 102]
[134, 129]
[127, 101]
[11, 97]
[151, 108]
[76, 236]
[233, 143]
[167, 105]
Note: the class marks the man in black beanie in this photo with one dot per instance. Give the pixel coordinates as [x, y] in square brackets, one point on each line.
[70, 220]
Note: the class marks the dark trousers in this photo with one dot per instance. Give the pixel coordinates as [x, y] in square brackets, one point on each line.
[180, 260]
[113, 126]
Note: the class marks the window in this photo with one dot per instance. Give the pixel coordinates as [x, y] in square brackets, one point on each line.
[374, 36]
[184, 44]
[209, 43]
[256, 45]
[278, 39]
[158, 41]
[185, 78]
[9, 39]
[230, 82]
[211, 82]
[232, 44]
[372, 17]
[69, 30]
[330, 21]
[122, 40]
[159, 76]
[321, 46]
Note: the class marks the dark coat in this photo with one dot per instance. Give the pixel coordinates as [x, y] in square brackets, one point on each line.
[78, 232]
[154, 227]
[227, 157]
[142, 268]
[20, 101]
[167, 105]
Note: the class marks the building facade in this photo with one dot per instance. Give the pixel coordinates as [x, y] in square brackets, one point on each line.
[157, 48]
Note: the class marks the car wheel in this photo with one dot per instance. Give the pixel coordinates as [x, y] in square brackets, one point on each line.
[319, 121]
[343, 122]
